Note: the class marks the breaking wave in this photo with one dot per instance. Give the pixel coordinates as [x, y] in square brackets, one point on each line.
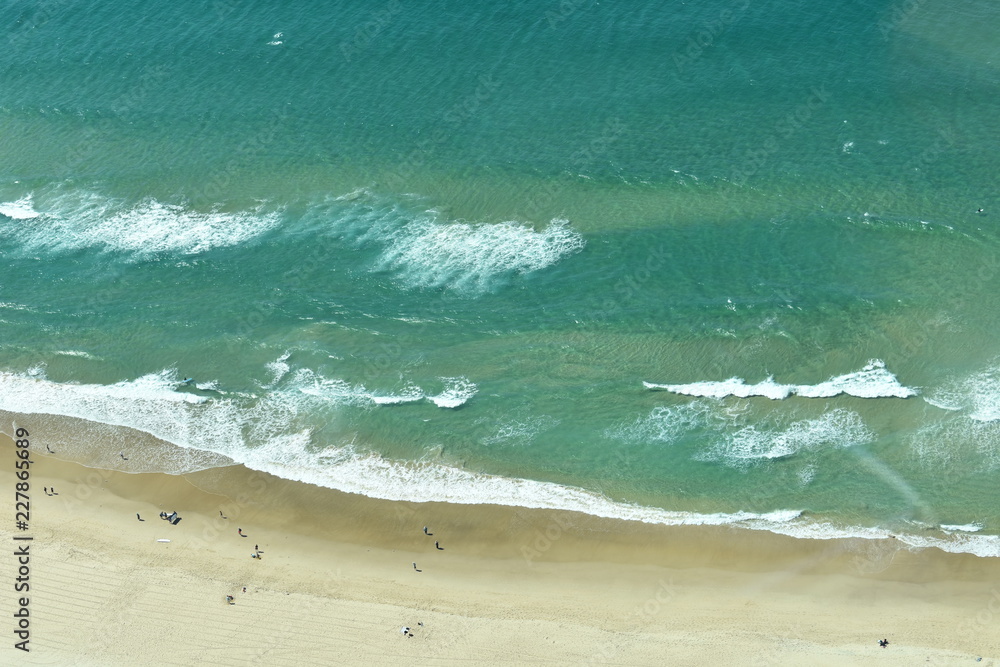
[872, 381]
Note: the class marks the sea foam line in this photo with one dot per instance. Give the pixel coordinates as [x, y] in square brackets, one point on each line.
[456, 392]
[873, 381]
[151, 404]
[375, 477]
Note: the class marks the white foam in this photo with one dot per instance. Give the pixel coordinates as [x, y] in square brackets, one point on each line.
[279, 368]
[731, 387]
[986, 546]
[149, 404]
[427, 253]
[375, 477]
[963, 528]
[330, 390]
[837, 428]
[82, 220]
[261, 434]
[22, 209]
[75, 353]
[807, 474]
[665, 424]
[978, 395]
[423, 250]
[873, 381]
[517, 432]
[457, 392]
[957, 445]
[410, 394]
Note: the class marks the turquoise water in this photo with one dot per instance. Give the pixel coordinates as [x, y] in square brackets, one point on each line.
[435, 252]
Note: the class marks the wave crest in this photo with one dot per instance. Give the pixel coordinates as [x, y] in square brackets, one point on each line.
[872, 381]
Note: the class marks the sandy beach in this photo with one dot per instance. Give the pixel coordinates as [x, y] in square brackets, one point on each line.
[335, 583]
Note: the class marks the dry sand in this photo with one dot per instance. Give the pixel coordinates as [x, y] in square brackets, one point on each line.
[335, 583]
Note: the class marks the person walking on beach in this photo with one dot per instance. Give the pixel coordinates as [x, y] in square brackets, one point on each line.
[240, 531]
[139, 517]
[437, 545]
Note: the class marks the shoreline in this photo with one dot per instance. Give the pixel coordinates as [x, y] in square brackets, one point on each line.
[507, 583]
[92, 447]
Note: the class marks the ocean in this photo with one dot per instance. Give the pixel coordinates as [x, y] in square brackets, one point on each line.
[725, 262]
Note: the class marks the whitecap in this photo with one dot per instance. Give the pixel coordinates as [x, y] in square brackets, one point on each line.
[84, 219]
[457, 392]
[471, 256]
[961, 528]
[22, 209]
[872, 381]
